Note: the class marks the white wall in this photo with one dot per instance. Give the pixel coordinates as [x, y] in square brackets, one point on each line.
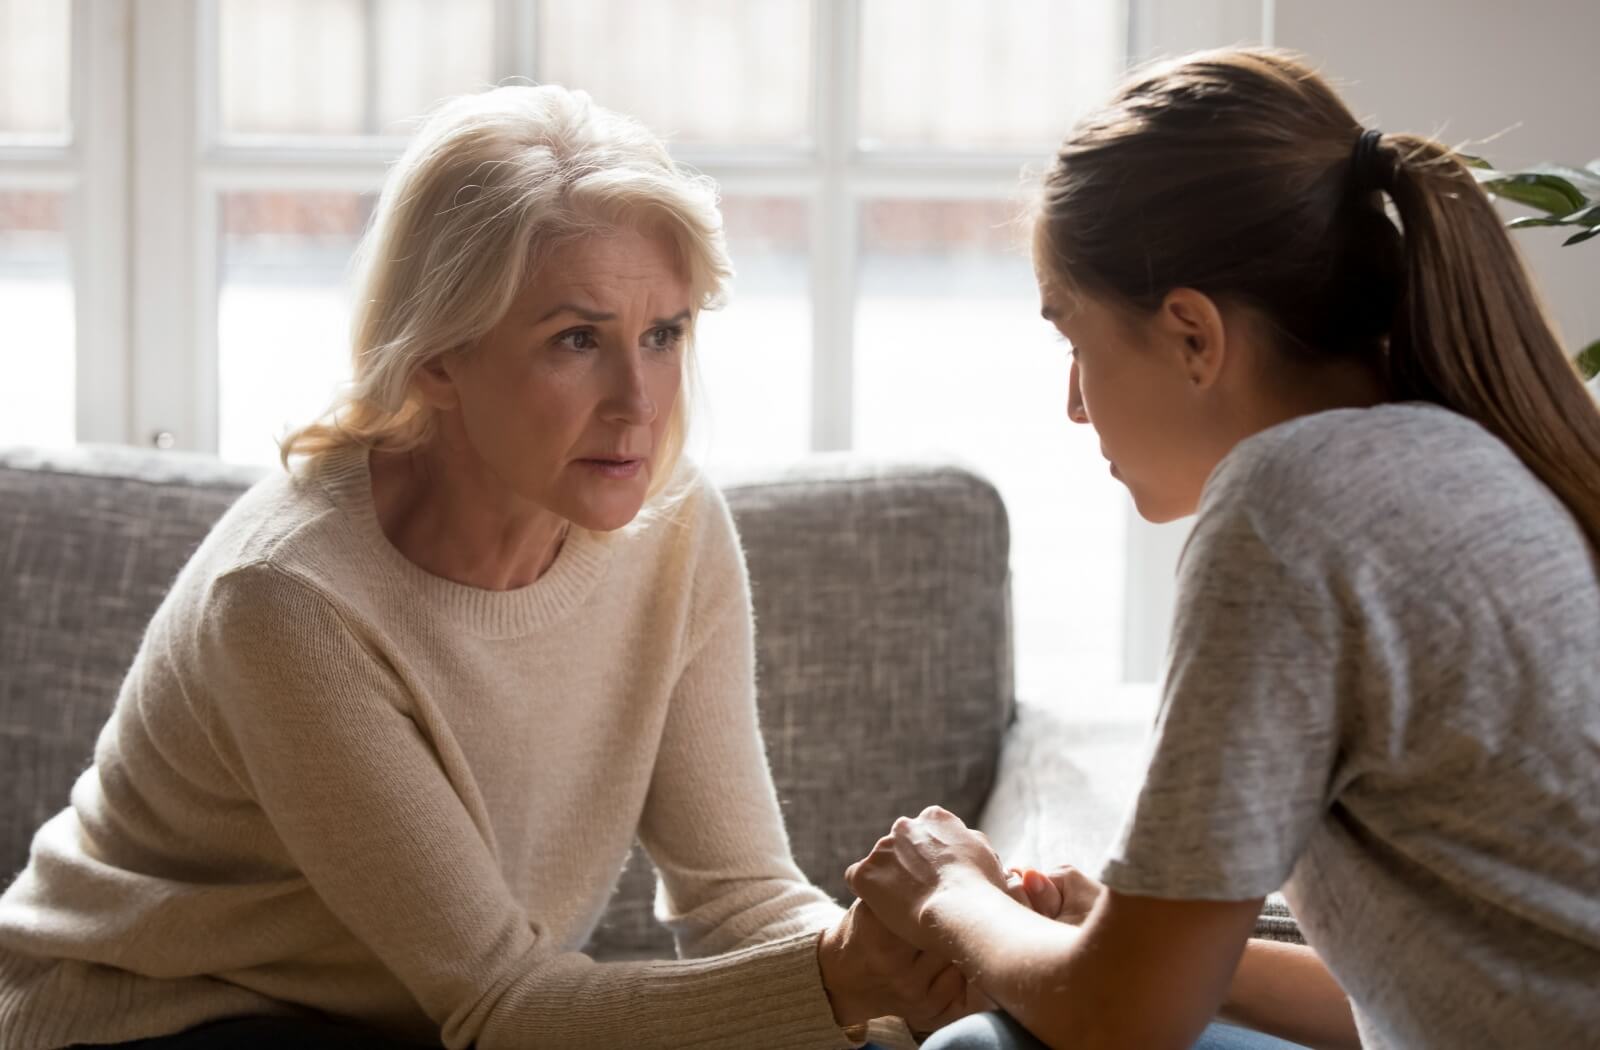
[1461, 70]
[1466, 70]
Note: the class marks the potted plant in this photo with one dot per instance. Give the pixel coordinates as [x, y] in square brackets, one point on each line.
[1566, 197]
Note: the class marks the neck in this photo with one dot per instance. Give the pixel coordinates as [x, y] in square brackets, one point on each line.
[1303, 390]
[460, 522]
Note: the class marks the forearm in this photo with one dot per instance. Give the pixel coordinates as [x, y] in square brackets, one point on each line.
[1139, 972]
[1286, 991]
[739, 915]
[1016, 956]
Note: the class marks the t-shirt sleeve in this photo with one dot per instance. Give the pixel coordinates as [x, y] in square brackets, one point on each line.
[1248, 732]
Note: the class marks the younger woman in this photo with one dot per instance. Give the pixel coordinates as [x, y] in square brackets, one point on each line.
[1385, 683]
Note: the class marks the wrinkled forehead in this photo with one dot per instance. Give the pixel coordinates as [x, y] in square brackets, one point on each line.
[612, 261]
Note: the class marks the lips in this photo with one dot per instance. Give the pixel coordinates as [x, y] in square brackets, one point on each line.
[617, 468]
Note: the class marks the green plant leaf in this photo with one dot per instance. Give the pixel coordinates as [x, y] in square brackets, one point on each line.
[1579, 238]
[1583, 180]
[1551, 194]
[1588, 360]
[1584, 217]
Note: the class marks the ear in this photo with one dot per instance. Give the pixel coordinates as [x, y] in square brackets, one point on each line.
[1193, 324]
[435, 382]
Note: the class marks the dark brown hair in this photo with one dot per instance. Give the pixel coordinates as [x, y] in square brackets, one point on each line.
[1241, 174]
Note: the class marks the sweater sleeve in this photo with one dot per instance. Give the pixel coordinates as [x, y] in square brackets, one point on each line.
[317, 724]
[711, 822]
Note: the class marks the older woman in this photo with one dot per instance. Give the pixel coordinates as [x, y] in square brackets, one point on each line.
[388, 740]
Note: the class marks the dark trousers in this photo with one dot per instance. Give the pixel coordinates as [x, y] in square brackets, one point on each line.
[269, 1033]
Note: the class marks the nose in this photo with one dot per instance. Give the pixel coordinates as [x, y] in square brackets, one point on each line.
[628, 399]
[1075, 407]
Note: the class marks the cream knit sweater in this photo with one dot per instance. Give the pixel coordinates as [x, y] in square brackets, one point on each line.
[334, 781]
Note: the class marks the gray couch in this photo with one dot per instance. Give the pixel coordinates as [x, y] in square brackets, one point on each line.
[882, 632]
[883, 637]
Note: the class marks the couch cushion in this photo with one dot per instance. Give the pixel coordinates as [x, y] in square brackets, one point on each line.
[882, 611]
[90, 540]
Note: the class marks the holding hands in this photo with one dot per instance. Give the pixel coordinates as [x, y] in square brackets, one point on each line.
[869, 972]
[887, 954]
[921, 858]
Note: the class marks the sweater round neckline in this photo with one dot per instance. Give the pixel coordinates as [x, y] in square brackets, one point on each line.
[346, 475]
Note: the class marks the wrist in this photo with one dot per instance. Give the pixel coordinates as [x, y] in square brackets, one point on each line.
[947, 914]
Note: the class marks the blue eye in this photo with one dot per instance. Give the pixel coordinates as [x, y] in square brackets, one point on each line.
[665, 338]
[578, 339]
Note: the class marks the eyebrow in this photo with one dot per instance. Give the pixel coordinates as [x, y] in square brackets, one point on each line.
[597, 316]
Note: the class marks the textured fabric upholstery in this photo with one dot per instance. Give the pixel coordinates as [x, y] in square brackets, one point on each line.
[90, 540]
[882, 610]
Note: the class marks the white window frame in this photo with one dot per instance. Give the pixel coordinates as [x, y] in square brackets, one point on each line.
[146, 169]
[88, 164]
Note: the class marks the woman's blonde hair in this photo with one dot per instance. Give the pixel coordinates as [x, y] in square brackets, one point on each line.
[489, 186]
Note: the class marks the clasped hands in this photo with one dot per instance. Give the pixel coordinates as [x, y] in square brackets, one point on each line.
[885, 957]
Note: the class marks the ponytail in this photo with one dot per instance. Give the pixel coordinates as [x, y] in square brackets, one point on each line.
[1469, 332]
[1242, 174]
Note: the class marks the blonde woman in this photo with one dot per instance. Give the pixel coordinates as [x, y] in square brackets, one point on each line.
[388, 740]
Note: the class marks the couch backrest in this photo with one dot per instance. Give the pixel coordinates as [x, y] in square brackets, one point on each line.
[883, 637]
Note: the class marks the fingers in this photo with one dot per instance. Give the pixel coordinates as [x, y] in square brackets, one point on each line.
[1016, 889]
[925, 969]
[941, 1002]
[854, 874]
[1044, 893]
[947, 998]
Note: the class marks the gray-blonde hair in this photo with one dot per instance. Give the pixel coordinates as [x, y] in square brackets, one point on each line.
[488, 187]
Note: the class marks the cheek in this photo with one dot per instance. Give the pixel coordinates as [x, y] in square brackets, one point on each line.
[521, 405]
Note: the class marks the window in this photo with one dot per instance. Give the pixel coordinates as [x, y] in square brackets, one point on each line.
[182, 183]
[35, 253]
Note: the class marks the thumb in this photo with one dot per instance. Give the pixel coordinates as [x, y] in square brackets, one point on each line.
[1043, 892]
[1016, 888]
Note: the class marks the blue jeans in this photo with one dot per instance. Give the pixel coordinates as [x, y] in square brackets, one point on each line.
[997, 1031]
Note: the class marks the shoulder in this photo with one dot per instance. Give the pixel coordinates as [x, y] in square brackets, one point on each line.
[688, 520]
[1336, 454]
[274, 521]
[691, 544]
[277, 560]
[1351, 471]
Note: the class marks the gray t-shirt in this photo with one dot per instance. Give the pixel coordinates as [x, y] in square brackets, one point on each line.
[1385, 698]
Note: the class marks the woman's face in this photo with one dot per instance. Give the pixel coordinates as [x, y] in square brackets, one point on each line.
[1130, 383]
[566, 402]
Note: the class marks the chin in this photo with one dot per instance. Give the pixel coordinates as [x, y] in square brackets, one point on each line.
[1156, 511]
[608, 513]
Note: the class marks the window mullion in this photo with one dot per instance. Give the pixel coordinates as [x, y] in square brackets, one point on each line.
[173, 368]
[833, 225]
[371, 47]
[516, 24]
[100, 219]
